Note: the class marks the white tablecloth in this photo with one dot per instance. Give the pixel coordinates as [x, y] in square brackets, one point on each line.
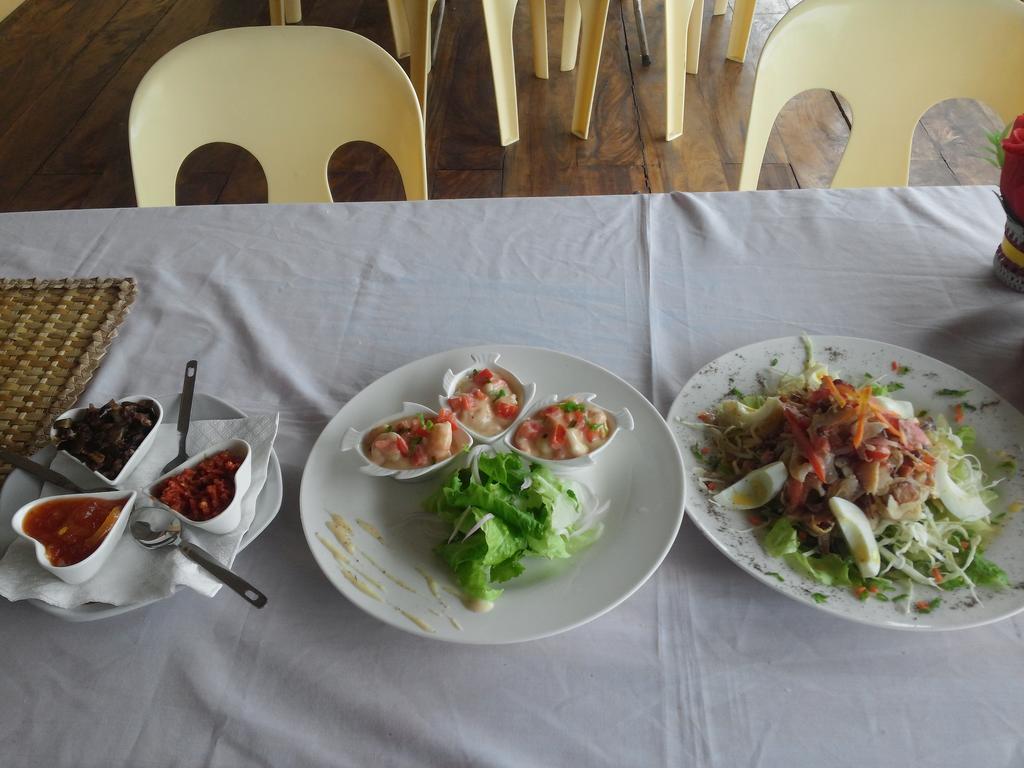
[296, 308]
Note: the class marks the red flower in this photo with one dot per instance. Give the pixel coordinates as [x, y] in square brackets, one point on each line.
[1011, 181]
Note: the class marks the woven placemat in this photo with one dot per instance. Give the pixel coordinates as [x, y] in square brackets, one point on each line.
[55, 332]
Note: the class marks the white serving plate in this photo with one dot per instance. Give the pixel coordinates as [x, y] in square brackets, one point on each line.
[20, 488]
[999, 426]
[641, 475]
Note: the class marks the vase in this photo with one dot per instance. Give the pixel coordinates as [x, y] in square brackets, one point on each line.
[1009, 260]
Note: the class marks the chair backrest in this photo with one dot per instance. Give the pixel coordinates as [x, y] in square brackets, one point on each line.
[892, 60]
[289, 95]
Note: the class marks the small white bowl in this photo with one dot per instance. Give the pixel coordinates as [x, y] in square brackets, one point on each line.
[354, 438]
[523, 391]
[76, 413]
[622, 421]
[85, 569]
[231, 515]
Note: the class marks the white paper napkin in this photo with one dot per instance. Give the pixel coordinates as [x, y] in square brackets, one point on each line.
[134, 574]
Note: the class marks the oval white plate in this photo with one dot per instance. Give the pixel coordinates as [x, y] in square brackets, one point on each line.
[641, 473]
[999, 426]
[20, 488]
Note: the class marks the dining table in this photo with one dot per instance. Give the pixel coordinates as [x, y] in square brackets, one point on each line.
[294, 309]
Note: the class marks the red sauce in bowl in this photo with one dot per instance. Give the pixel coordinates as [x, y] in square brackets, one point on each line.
[204, 491]
[72, 529]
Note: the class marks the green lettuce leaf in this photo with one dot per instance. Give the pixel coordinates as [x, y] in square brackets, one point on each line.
[830, 569]
[781, 538]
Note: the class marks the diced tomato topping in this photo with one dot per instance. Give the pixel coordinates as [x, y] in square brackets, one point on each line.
[936, 575]
[506, 410]
[558, 436]
[922, 605]
[459, 403]
[401, 445]
[755, 519]
[482, 377]
[528, 430]
[479, 394]
[446, 415]
[551, 410]
[895, 365]
[873, 589]
[706, 417]
[419, 456]
[420, 431]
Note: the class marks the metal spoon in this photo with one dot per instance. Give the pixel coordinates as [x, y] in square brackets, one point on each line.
[171, 537]
[188, 388]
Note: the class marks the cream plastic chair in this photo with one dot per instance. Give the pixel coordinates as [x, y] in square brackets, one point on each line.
[892, 60]
[682, 49]
[410, 24]
[285, 11]
[739, 31]
[289, 95]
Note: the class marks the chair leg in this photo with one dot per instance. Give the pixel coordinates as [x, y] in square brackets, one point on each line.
[570, 34]
[437, 32]
[399, 27]
[693, 37]
[641, 31]
[742, 18]
[293, 11]
[539, 27]
[276, 13]
[595, 17]
[498, 17]
[418, 14]
[721, 6]
[677, 20]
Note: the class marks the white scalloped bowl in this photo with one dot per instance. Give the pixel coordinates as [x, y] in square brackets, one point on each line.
[76, 413]
[230, 517]
[83, 570]
[354, 439]
[622, 420]
[524, 391]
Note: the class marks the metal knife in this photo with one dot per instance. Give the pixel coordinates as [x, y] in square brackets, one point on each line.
[49, 475]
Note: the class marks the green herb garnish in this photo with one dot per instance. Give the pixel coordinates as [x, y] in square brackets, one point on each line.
[952, 392]
[774, 362]
[735, 392]
[819, 598]
[776, 574]
[569, 406]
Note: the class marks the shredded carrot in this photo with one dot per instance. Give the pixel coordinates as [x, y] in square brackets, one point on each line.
[864, 397]
[860, 591]
[755, 519]
[831, 385]
[892, 425]
[873, 589]
[965, 544]
[936, 576]
[958, 413]
[922, 605]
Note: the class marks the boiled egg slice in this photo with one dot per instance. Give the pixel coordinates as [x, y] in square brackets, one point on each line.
[857, 532]
[902, 408]
[756, 489]
[960, 503]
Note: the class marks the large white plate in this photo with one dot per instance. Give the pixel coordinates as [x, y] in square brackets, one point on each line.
[21, 488]
[999, 426]
[641, 473]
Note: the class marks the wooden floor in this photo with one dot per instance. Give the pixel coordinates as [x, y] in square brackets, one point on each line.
[69, 69]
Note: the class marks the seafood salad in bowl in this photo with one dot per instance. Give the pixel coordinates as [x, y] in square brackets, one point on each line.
[486, 399]
[410, 444]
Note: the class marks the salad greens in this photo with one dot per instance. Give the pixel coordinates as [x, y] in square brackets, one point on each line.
[503, 509]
